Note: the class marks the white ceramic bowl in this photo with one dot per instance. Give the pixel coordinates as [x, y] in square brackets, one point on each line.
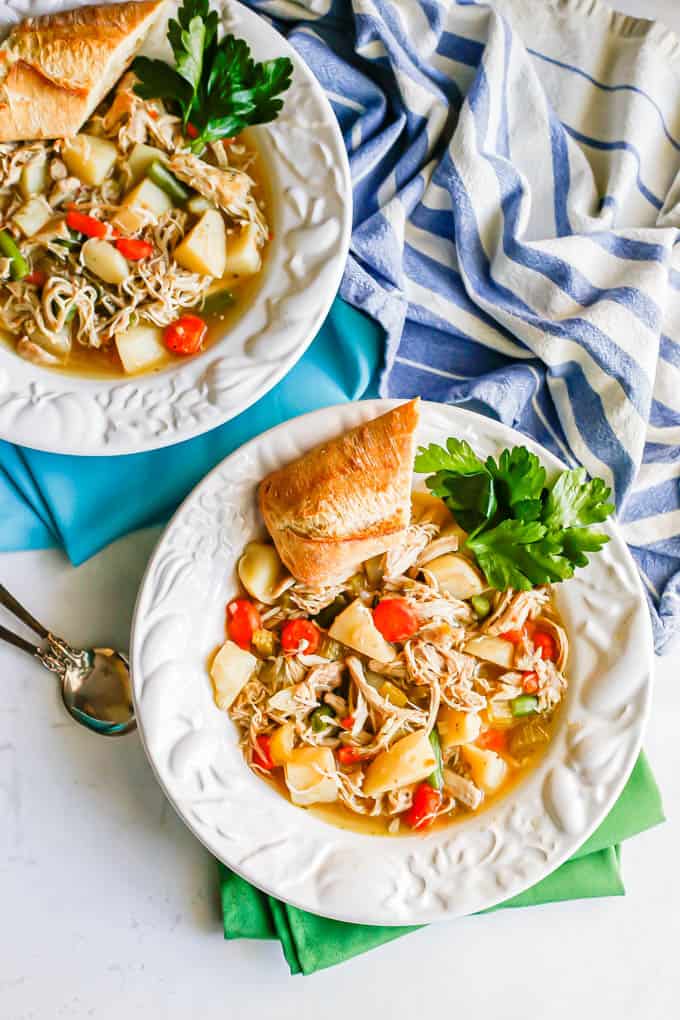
[471, 865]
[311, 218]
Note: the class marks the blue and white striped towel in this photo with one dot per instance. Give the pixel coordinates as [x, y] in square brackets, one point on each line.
[517, 200]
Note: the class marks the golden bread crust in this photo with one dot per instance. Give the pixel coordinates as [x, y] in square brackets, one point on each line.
[344, 501]
[60, 66]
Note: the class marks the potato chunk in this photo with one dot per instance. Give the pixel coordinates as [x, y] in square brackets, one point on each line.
[456, 727]
[282, 743]
[89, 158]
[33, 177]
[32, 216]
[262, 573]
[105, 261]
[144, 204]
[231, 670]
[493, 649]
[354, 627]
[141, 158]
[204, 249]
[488, 770]
[457, 576]
[408, 761]
[311, 776]
[140, 347]
[243, 255]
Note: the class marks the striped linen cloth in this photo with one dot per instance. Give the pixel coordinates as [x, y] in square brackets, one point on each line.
[517, 200]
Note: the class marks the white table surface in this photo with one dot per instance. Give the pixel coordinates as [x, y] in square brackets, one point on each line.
[109, 909]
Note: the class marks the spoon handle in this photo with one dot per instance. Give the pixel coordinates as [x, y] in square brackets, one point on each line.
[9, 602]
[18, 642]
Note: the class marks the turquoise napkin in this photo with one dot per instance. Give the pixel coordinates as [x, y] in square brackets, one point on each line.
[83, 503]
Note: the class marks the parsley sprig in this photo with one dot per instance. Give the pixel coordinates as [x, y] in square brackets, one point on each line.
[522, 531]
[215, 84]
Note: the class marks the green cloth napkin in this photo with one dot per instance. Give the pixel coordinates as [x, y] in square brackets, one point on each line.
[310, 942]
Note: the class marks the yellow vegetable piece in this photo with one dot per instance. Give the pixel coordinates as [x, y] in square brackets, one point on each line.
[487, 769]
[310, 774]
[141, 158]
[243, 255]
[89, 158]
[492, 649]
[262, 573]
[204, 249]
[140, 347]
[354, 627]
[456, 727]
[32, 216]
[33, 177]
[408, 761]
[282, 743]
[390, 692]
[457, 576]
[231, 670]
[105, 261]
[429, 509]
[144, 204]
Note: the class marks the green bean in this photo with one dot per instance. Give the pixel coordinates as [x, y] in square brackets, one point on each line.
[481, 605]
[525, 704]
[436, 778]
[320, 716]
[19, 267]
[167, 182]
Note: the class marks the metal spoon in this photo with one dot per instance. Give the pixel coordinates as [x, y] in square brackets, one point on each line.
[95, 682]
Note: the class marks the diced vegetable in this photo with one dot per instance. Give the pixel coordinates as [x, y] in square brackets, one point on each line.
[231, 670]
[457, 576]
[32, 216]
[435, 779]
[102, 259]
[545, 644]
[349, 755]
[487, 769]
[89, 158]
[141, 157]
[429, 509]
[282, 743]
[177, 192]
[354, 627]
[395, 619]
[261, 572]
[311, 776]
[525, 704]
[424, 808]
[530, 683]
[264, 641]
[390, 692]
[322, 717]
[347, 723]
[37, 278]
[243, 255]
[33, 179]
[19, 267]
[217, 298]
[185, 335]
[330, 649]
[140, 347]
[133, 248]
[493, 739]
[300, 636]
[204, 249]
[84, 224]
[198, 204]
[262, 752]
[408, 761]
[481, 605]
[456, 728]
[492, 649]
[513, 636]
[243, 620]
[146, 202]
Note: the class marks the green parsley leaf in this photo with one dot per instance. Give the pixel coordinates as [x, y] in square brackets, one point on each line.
[458, 457]
[520, 480]
[217, 86]
[576, 542]
[519, 554]
[575, 501]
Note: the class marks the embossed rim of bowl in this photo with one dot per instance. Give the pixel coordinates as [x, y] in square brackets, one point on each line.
[310, 179]
[467, 867]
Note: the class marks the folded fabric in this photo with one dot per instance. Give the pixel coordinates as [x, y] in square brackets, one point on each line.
[311, 943]
[515, 228]
[83, 503]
